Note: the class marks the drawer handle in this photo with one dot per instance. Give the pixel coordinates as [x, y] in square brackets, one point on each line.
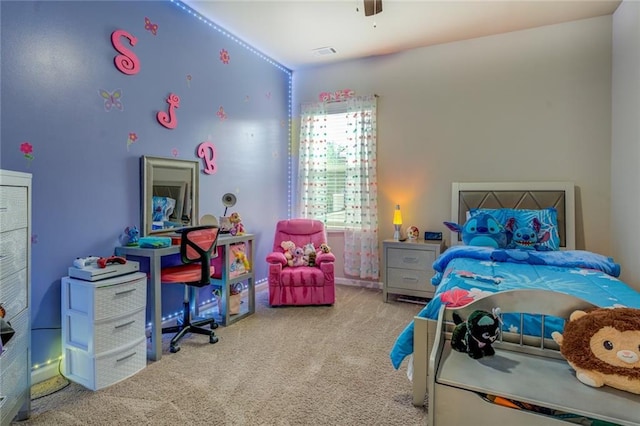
[126, 357]
[125, 291]
[4, 209]
[410, 279]
[410, 259]
[125, 324]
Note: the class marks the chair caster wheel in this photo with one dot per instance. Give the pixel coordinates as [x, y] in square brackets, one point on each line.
[214, 325]
[213, 339]
[174, 349]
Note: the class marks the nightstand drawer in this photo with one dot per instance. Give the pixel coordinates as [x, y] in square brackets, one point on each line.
[408, 279]
[421, 260]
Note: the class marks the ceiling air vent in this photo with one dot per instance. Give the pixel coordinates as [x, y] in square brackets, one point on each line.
[323, 51]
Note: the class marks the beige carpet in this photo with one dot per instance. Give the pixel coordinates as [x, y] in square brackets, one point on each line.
[281, 366]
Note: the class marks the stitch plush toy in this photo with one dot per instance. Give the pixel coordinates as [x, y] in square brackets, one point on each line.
[475, 335]
[481, 229]
[527, 237]
[288, 247]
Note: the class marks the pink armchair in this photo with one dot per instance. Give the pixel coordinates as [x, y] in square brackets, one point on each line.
[300, 285]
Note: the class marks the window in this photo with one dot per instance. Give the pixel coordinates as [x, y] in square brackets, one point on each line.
[337, 176]
[336, 131]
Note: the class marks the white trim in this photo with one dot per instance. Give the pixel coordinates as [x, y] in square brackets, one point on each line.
[45, 372]
[567, 187]
[359, 283]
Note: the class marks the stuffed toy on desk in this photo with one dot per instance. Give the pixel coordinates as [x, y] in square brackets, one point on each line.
[603, 347]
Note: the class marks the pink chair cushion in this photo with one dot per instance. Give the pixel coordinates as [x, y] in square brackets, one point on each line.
[182, 274]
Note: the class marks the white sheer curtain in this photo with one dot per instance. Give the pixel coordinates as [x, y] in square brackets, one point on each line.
[361, 197]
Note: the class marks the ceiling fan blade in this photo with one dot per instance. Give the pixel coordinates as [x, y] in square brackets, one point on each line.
[372, 7]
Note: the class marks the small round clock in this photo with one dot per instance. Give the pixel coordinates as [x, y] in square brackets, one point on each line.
[412, 233]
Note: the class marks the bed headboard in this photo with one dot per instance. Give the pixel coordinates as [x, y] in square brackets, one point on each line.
[517, 195]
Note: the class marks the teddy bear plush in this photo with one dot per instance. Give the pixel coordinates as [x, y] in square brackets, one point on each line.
[603, 347]
[325, 248]
[475, 335]
[288, 247]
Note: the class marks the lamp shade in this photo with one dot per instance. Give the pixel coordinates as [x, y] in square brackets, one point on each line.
[397, 215]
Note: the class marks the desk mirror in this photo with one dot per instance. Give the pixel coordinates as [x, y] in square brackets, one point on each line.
[169, 194]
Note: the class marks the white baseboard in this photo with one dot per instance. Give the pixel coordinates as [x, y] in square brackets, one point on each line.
[45, 372]
[359, 283]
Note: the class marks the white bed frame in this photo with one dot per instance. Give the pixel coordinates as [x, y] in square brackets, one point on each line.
[452, 378]
[525, 369]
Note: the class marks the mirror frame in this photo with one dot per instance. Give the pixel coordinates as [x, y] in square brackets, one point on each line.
[148, 166]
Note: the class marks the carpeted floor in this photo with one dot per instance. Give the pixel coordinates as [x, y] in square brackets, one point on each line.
[281, 366]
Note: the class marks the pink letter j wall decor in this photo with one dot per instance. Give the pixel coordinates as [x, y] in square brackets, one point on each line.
[170, 121]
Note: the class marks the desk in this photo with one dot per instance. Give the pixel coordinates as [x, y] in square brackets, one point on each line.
[155, 285]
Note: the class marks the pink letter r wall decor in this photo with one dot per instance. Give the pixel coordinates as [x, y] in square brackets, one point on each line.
[170, 121]
[127, 62]
[207, 152]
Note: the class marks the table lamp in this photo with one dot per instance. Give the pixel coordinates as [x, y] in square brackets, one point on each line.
[397, 222]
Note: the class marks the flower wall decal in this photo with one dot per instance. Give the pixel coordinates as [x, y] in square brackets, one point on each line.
[224, 56]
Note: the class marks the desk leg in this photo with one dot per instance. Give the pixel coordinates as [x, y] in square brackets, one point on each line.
[155, 294]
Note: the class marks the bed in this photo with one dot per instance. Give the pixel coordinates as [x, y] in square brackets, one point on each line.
[466, 274]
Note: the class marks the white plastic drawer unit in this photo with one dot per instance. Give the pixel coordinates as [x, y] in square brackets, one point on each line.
[103, 329]
[13, 205]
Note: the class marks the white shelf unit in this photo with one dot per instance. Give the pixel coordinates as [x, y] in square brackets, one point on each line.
[103, 329]
[15, 294]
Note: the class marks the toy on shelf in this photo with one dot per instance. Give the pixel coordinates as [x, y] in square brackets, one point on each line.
[236, 224]
[130, 236]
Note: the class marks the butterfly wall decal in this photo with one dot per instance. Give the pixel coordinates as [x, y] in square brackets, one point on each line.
[112, 100]
[150, 26]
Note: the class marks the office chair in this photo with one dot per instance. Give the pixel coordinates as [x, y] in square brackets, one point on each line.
[196, 245]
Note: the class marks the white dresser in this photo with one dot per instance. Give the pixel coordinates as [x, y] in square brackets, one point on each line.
[15, 294]
[103, 329]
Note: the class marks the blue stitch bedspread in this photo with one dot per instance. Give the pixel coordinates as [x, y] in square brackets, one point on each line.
[466, 273]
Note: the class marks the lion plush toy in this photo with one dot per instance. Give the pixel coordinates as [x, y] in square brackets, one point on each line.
[603, 347]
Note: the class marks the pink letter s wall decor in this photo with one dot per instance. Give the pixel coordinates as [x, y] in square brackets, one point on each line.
[170, 121]
[207, 152]
[127, 62]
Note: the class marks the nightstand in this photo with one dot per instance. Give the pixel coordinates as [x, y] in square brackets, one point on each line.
[408, 267]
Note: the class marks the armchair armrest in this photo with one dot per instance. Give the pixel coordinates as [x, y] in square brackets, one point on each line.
[277, 257]
[325, 257]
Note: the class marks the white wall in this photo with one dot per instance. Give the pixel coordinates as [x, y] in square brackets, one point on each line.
[523, 106]
[625, 147]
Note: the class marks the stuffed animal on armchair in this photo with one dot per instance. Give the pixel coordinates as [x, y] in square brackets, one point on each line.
[475, 335]
[603, 347]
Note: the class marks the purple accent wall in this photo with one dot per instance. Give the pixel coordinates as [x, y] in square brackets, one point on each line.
[58, 56]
